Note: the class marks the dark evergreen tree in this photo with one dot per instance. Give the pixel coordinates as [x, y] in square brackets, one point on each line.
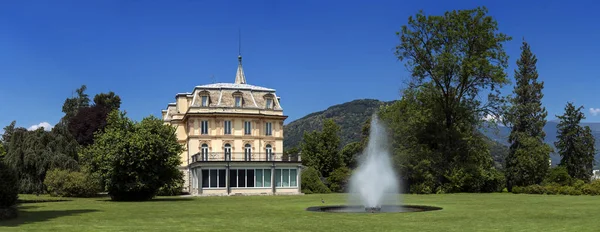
[527, 160]
[575, 144]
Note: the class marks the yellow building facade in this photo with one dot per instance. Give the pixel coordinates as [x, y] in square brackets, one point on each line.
[233, 139]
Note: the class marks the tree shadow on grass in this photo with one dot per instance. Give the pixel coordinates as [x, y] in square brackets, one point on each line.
[19, 201]
[27, 217]
[153, 200]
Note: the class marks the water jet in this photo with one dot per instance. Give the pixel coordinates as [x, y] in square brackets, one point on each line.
[374, 186]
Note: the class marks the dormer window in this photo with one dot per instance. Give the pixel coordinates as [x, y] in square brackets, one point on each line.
[204, 98]
[204, 101]
[269, 103]
[238, 101]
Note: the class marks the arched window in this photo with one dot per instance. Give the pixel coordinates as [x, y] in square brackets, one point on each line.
[247, 152]
[269, 152]
[227, 151]
[204, 152]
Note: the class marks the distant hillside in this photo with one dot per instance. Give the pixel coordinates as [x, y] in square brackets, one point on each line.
[350, 116]
[501, 136]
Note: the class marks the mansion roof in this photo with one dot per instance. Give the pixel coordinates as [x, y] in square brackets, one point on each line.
[238, 95]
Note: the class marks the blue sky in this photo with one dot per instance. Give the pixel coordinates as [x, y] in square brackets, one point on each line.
[315, 53]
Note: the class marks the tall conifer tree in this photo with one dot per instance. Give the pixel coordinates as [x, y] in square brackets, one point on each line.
[527, 161]
[576, 144]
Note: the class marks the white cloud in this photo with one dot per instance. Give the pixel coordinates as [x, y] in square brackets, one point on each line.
[45, 125]
[594, 111]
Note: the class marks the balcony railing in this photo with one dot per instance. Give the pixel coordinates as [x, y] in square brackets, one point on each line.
[242, 156]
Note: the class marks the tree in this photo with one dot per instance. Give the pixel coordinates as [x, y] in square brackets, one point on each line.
[73, 104]
[109, 100]
[86, 122]
[526, 163]
[33, 153]
[321, 149]
[134, 160]
[350, 154]
[453, 59]
[575, 143]
[2, 152]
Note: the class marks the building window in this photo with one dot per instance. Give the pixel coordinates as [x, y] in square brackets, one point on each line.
[247, 128]
[204, 152]
[250, 178]
[204, 128]
[227, 151]
[286, 178]
[248, 152]
[269, 152]
[268, 128]
[213, 178]
[227, 125]
[269, 103]
[238, 101]
[204, 100]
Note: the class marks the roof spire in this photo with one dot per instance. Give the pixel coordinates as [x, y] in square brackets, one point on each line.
[240, 78]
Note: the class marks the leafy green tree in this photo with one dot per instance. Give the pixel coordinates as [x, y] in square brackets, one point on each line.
[134, 160]
[526, 163]
[33, 153]
[575, 143]
[311, 182]
[453, 59]
[351, 153]
[109, 100]
[338, 180]
[321, 149]
[2, 152]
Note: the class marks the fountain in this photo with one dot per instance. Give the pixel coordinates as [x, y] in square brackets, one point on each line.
[375, 183]
[374, 186]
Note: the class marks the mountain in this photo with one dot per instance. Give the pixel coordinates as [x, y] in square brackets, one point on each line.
[350, 116]
[501, 135]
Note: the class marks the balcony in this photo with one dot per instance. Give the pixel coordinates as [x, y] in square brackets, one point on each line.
[244, 157]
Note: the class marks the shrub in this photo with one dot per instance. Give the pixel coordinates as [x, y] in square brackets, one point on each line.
[494, 182]
[9, 191]
[311, 182]
[338, 179]
[518, 190]
[63, 183]
[592, 188]
[534, 189]
[9, 188]
[560, 176]
[423, 188]
[172, 189]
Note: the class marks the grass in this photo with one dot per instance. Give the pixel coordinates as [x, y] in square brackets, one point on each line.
[461, 212]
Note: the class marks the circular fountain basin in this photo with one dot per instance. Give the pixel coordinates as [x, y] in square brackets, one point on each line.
[362, 209]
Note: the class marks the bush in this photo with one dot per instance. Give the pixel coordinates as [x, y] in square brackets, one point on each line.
[534, 189]
[423, 188]
[338, 179]
[172, 189]
[9, 191]
[560, 176]
[63, 183]
[134, 159]
[518, 190]
[9, 188]
[494, 182]
[311, 182]
[592, 188]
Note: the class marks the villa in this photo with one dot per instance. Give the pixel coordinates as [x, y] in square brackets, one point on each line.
[233, 139]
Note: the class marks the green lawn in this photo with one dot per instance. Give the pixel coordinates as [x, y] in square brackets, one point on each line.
[461, 212]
